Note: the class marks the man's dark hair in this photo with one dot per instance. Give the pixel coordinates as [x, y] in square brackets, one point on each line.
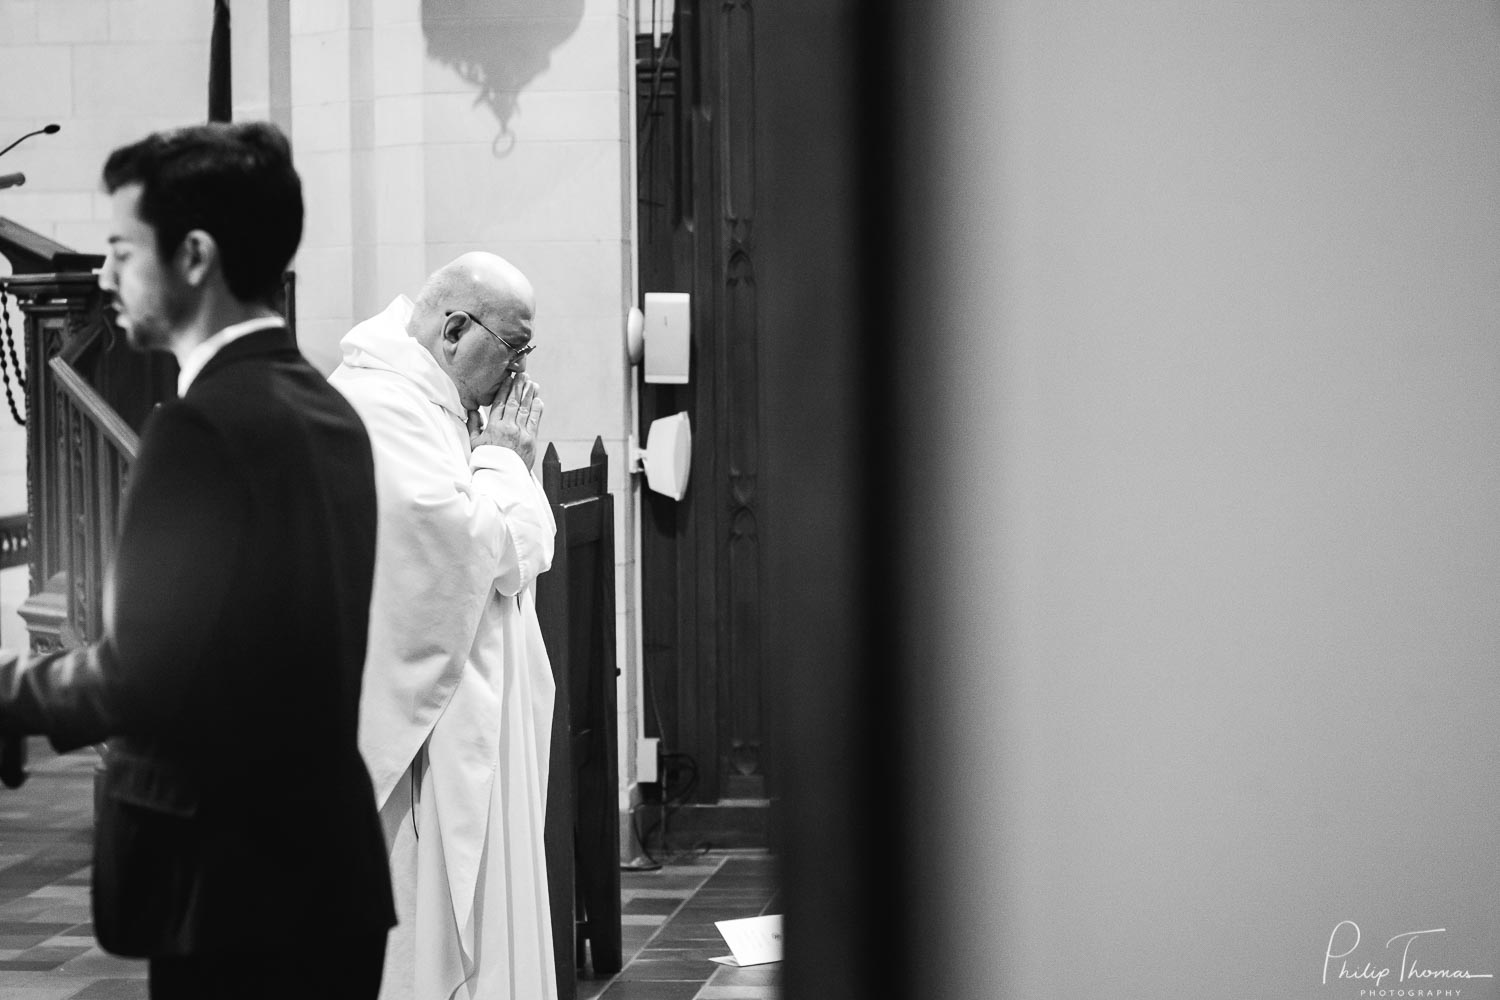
[233, 181]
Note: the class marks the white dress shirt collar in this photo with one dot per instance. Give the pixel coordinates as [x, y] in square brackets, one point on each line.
[204, 352]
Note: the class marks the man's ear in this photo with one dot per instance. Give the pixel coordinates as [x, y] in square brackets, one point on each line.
[453, 329]
[197, 256]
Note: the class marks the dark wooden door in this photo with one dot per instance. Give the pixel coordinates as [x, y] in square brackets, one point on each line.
[700, 557]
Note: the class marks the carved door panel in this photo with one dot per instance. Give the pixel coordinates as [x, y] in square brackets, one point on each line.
[700, 558]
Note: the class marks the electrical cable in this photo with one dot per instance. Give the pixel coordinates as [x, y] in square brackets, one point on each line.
[646, 126]
[675, 793]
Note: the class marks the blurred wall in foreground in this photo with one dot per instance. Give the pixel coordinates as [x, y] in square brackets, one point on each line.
[1150, 378]
[1208, 593]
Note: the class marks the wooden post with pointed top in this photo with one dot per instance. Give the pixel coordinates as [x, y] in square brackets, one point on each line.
[552, 474]
[599, 463]
[576, 610]
[220, 95]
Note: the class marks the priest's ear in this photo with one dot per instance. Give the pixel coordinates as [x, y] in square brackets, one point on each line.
[454, 326]
[445, 347]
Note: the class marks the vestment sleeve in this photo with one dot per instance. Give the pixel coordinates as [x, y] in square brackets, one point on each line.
[529, 527]
[444, 533]
[450, 532]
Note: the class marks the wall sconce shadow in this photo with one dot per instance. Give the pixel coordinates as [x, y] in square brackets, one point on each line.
[498, 47]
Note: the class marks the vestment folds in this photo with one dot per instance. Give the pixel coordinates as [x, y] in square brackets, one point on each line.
[457, 681]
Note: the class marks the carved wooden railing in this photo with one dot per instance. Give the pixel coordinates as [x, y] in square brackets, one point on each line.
[96, 450]
[87, 394]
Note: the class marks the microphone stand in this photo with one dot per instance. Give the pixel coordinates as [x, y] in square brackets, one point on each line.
[44, 130]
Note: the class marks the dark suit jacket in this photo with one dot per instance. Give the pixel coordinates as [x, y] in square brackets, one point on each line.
[235, 813]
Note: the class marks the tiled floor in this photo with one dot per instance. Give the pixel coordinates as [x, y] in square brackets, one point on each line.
[47, 948]
[669, 935]
[48, 952]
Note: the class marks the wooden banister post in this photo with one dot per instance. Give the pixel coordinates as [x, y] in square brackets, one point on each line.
[599, 462]
[575, 607]
[551, 473]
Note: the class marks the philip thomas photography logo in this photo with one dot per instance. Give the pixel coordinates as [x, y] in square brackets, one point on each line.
[1415, 974]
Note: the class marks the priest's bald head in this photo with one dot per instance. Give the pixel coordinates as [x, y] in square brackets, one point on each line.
[474, 316]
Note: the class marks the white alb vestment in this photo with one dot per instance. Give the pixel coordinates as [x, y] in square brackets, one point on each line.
[456, 710]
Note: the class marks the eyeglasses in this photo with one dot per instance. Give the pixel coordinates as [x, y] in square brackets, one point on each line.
[519, 352]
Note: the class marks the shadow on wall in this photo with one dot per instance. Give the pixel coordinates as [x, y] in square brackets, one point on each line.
[498, 47]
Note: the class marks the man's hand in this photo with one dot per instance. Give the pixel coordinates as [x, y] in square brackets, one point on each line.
[514, 419]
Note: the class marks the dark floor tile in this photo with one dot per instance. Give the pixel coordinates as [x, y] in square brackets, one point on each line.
[686, 950]
[113, 989]
[715, 944]
[20, 942]
[691, 926]
[622, 989]
[687, 939]
[686, 883]
[30, 928]
[691, 939]
[647, 904]
[638, 876]
[23, 883]
[722, 881]
[740, 868]
[589, 989]
[28, 964]
[659, 969]
[755, 975]
[56, 954]
[629, 880]
[58, 855]
[31, 873]
[712, 911]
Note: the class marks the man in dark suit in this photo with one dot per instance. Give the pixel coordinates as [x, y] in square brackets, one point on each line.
[237, 842]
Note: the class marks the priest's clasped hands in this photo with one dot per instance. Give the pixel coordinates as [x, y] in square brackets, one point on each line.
[514, 418]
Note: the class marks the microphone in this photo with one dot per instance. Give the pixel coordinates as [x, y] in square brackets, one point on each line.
[52, 129]
[12, 180]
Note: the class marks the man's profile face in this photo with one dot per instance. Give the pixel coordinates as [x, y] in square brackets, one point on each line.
[149, 295]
